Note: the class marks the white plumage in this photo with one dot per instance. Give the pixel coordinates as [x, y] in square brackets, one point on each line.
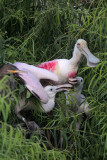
[67, 69]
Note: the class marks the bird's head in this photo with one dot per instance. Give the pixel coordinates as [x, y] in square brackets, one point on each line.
[8, 69]
[79, 85]
[80, 81]
[92, 61]
[53, 90]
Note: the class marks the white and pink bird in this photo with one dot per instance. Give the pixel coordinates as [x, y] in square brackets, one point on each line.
[67, 69]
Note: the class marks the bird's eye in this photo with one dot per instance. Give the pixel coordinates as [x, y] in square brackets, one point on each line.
[78, 44]
[81, 80]
[51, 89]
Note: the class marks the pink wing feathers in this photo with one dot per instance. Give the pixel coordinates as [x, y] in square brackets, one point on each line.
[50, 65]
[40, 73]
[33, 85]
[32, 75]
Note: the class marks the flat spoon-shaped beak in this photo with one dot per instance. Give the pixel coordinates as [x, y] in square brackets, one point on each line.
[92, 61]
[64, 87]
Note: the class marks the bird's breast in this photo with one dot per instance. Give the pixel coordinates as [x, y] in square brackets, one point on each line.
[72, 74]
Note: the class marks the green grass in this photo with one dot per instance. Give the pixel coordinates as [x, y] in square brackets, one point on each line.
[37, 31]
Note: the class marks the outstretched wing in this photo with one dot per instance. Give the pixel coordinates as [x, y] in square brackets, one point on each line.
[34, 86]
[38, 72]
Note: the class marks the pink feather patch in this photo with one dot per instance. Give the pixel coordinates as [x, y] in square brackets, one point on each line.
[72, 74]
[50, 66]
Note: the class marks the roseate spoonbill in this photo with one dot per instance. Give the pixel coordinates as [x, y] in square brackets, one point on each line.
[78, 100]
[67, 69]
[45, 107]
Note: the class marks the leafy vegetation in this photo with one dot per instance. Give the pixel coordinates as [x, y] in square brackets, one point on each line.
[36, 31]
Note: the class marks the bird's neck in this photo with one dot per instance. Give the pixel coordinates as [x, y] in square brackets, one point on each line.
[76, 58]
[48, 106]
[78, 88]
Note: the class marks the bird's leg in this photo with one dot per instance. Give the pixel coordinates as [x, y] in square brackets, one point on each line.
[47, 131]
[21, 117]
[20, 106]
[55, 139]
[30, 124]
[61, 139]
